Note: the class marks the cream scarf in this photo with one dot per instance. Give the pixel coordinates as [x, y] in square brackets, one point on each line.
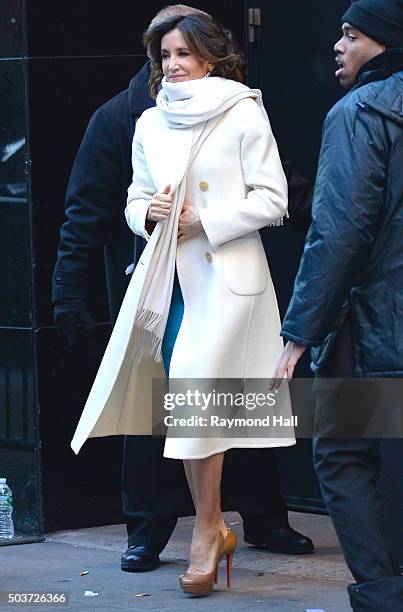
[197, 106]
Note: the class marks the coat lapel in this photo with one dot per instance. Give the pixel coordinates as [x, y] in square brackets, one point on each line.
[167, 151]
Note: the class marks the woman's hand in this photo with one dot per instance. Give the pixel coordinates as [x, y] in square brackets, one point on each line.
[189, 223]
[160, 206]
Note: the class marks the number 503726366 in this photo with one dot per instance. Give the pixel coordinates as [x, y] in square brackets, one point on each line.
[30, 597]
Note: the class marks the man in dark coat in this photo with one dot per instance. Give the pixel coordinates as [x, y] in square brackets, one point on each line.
[348, 294]
[154, 489]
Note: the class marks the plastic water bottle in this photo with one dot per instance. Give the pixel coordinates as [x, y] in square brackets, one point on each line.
[6, 510]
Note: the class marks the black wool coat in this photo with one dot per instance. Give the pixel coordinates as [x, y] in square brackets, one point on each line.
[97, 193]
[96, 198]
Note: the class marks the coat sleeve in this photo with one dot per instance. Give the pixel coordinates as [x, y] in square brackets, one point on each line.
[93, 200]
[141, 190]
[266, 201]
[348, 199]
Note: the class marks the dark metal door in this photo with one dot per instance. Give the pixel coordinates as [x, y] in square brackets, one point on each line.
[291, 58]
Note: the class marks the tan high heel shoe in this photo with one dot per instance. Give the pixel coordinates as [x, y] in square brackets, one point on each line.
[202, 584]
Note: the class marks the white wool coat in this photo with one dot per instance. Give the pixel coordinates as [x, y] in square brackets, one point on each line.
[231, 322]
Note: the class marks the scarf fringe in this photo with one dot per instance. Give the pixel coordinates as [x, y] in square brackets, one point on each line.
[276, 223]
[146, 340]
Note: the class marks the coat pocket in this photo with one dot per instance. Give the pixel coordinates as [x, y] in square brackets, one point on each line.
[245, 265]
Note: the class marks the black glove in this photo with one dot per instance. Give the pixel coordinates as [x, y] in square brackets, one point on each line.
[68, 314]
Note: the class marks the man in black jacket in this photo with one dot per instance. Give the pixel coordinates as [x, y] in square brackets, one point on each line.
[154, 489]
[348, 294]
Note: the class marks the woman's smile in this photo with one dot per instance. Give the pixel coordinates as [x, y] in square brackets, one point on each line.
[173, 78]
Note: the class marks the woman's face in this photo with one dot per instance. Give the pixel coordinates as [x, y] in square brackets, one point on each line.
[178, 62]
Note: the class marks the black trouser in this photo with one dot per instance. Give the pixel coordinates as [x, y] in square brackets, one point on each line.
[348, 471]
[155, 491]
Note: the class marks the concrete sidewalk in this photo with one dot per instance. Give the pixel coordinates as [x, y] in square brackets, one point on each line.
[261, 580]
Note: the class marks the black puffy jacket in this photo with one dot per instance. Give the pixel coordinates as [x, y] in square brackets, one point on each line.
[353, 257]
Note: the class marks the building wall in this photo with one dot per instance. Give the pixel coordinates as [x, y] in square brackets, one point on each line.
[19, 439]
[81, 54]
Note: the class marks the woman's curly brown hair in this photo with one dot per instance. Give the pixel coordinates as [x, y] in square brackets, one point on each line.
[206, 39]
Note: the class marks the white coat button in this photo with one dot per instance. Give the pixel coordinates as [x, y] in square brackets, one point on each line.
[208, 257]
[204, 185]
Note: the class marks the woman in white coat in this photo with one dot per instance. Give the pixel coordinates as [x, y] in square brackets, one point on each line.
[207, 176]
[227, 324]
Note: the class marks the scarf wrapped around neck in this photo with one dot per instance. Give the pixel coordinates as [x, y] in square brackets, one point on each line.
[196, 106]
[189, 103]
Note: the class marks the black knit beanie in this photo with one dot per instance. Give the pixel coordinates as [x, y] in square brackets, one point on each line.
[381, 20]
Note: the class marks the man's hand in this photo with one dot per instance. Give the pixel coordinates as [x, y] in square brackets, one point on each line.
[160, 205]
[68, 314]
[286, 363]
[189, 223]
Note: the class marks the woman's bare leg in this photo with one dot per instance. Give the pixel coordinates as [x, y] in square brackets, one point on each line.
[204, 478]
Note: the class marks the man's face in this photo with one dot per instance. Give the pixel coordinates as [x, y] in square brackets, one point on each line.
[353, 50]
